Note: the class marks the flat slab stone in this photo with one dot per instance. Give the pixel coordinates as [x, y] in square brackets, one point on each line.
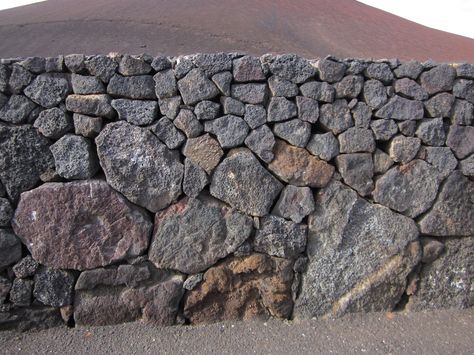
[138, 165]
[132, 87]
[138, 112]
[359, 256]
[194, 234]
[80, 225]
[93, 105]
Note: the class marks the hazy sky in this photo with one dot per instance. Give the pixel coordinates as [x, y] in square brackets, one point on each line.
[456, 16]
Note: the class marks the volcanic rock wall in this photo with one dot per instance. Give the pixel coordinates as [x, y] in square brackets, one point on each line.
[222, 186]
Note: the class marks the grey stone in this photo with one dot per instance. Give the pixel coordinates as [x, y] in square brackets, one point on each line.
[410, 89]
[137, 112]
[356, 140]
[34, 64]
[232, 106]
[295, 203]
[440, 105]
[360, 255]
[295, 132]
[84, 85]
[261, 141]
[5, 286]
[411, 69]
[26, 267]
[404, 149]
[170, 106]
[48, 90]
[93, 105]
[192, 281]
[21, 292]
[441, 158]
[87, 126]
[357, 170]
[308, 109]
[384, 129]
[247, 69]
[292, 67]
[464, 89]
[183, 66]
[453, 212]
[399, 108]
[133, 66]
[166, 132]
[230, 130]
[330, 70]
[222, 81]
[139, 166]
[165, 84]
[281, 109]
[161, 63]
[213, 63]
[382, 162]
[362, 115]
[53, 123]
[24, 156]
[17, 109]
[461, 140]
[243, 183]
[409, 189]
[279, 237]
[379, 71]
[207, 110]
[281, 87]
[195, 87]
[249, 93]
[447, 282]
[465, 70]
[187, 122]
[54, 287]
[75, 157]
[75, 62]
[336, 117]
[349, 87]
[440, 78]
[374, 94]
[194, 234]
[317, 90]
[462, 113]
[431, 132]
[140, 87]
[6, 212]
[205, 151]
[10, 248]
[467, 166]
[19, 79]
[325, 146]
[101, 66]
[255, 115]
[195, 178]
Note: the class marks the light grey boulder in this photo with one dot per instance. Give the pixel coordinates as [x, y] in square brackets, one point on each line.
[87, 126]
[462, 113]
[410, 89]
[132, 65]
[440, 105]
[17, 109]
[379, 71]
[255, 115]
[75, 62]
[440, 78]
[247, 69]
[160, 63]
[317, 90]
[384, 129]
[53, 123]
[85, 85]
[140, 87]
[261, 141]
[336, 117]
[19, 79]
[308, 109]
[411, 69]
[222, 81]
[375, 94]
[92, 105]
[330, 71]
[431, 132]
[404, 149]
[325, 146]
[281, 109]
[232, 106]
[137, 112]
[167, 132]
[48, 90]
[195, 87]
[165, 84]
[249, 93]
[357, 171]
[101, 66]
[441, 158]
[399, 108]
[207, 110]
[282, 87]
[461, 140]
[35, 65]
[169, 107]
[467, 166]
[362, 115]
[230, 130]
[296, 132]
[382, 161]
[213, 63]
[292, 67]
[349, 87]
[356, 140]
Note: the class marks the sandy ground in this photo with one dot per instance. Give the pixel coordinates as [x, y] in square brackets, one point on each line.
[437, 332]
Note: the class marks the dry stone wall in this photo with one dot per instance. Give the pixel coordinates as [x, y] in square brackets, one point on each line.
[222, 186]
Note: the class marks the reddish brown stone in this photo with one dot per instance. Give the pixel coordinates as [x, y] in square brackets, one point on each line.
[256, 286]
[80, 225]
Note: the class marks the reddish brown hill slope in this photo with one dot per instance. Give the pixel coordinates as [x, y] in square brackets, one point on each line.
[311, 28]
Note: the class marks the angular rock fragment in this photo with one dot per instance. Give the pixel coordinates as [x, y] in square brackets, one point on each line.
[195, 178]
[440, 78]
[182, 66]
[247, 69]
[356, 140]
[101, 66]
[384, 129]
[407, 128]
[382, 162]
[292, 67]
[360, 255]
[374, 94]
[330, 70]
[165, 84]
[207, 110]
[192, 281]
[349, 87]
[281, 87]
[399, 108]
[461, 140]
[167, 132]
[465, 70]
[336, 117]
[404, 149]
[249, 93]
[17, 109]
[19, 79]
[410, 89]
[80, 225]
[298, 167]
[464, 89]
[230, 130]
[141, 87]
[75, 62]
[10, 248]
[462, 113]
[379, 71]
[205, 151]
[26, 267]
[441, 158]
[467, 166]
[255, 115]
[411, 69]
[187, 122]
[160, 63]
[85, 85]
[222, 81]
[138, 112]
[317, 90]
[255, 286]
[54, 287]
[21, 292]
[296, 132]
[295, 203]
[48, 90]
[281, 109]
[409, 189]
[128, 275]
[232, 106]
[440, 105]
[92, 105]
[453, 212]
[170, 106]
[261, 141]
[53, 123]
[195, 87]
[431, 132]
[357, 170]
[362, 115]
[87, 126]
[138, 165]
[213, 63]
[130, 65]
[324, 146]
[244, 184]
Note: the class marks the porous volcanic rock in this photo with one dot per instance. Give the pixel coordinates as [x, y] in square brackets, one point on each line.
[54, 287]
[48, 90]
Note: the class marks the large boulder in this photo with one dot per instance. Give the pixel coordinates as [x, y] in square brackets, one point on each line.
[360, 255]
[195, 87]
[194, 234]
[48, 90]
[138, 165]
[256, 286]
[24, 156]
[80, 225]
[244, 184]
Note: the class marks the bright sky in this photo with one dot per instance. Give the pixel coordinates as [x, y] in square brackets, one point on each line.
[8, 4]
[456, 16]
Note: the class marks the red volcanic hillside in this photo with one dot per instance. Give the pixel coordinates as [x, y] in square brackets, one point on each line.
[312, 28]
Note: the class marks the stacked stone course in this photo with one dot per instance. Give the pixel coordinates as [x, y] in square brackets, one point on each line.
[222, 186]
